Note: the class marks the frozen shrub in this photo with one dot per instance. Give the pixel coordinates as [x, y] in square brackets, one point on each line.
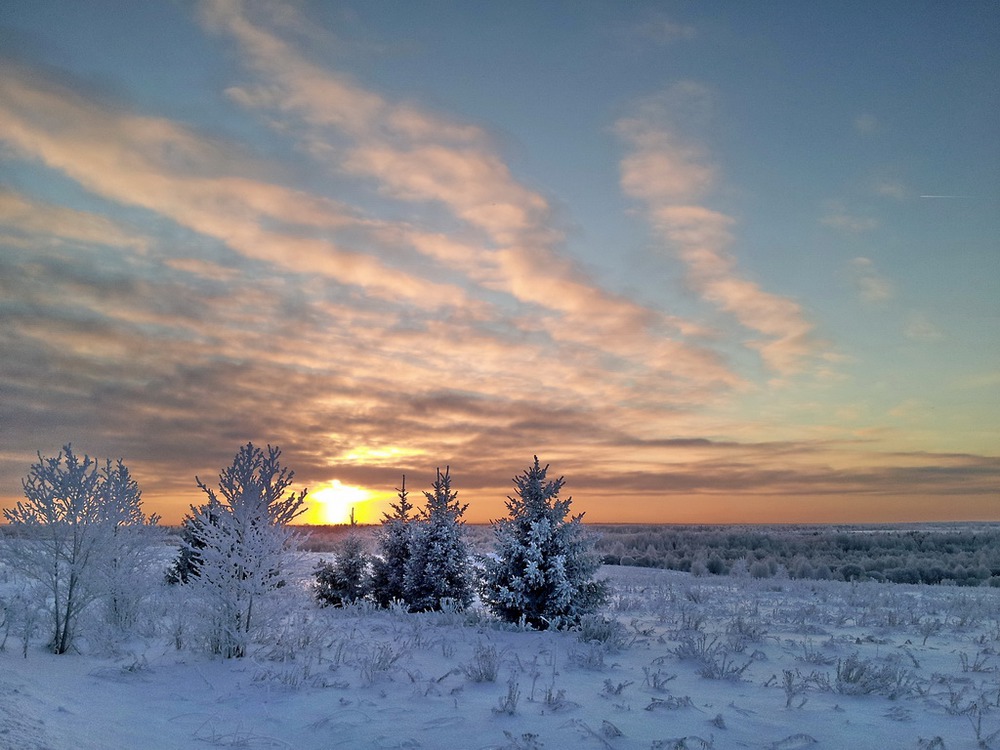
[715, 566]
[608, 632]
[545, 561]
[857, 676]
[484, 665]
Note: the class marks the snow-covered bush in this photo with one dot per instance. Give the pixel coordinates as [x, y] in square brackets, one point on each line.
[544, 566]
[348, 578]
[389, 566]
[80, 534]
[437, 571]
[246, 543]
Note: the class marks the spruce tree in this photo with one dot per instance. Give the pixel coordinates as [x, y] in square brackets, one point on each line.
[347, 579]
[188, 560]
[389, 568]
[438, 568]
[545, 560]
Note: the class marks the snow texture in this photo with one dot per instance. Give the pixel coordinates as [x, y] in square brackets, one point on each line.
[676, 661]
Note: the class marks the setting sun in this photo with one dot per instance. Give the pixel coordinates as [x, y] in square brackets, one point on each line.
[333, 503]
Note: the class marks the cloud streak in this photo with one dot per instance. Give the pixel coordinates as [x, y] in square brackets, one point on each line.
[671, 174]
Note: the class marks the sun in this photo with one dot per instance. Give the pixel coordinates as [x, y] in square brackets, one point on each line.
[332, 503]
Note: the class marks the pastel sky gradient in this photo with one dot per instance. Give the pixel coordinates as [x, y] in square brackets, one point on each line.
[714, 262]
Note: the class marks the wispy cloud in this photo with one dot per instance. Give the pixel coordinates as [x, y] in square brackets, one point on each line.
[30, 218]
[866, 123]
[663, 30]
[889, 188]
[397, 294]
[414, 155]
[672, 174]
[268, 321]
[844, 221]
[872, 286]
[920, 328]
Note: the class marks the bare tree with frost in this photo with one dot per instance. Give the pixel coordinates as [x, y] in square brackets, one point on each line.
[246, 540]
[71, 535]
[544, 566]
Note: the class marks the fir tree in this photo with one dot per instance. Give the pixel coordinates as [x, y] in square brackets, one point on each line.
[185, 566]
[545, 560]
[389, 568]
[438, 567]
[347, 579]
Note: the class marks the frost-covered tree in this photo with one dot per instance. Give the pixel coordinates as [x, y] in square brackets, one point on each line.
[246, 538]
[438, 567]
[72, 536]
[129, 558]
[545, 561]
[348, 578]
[389, 567]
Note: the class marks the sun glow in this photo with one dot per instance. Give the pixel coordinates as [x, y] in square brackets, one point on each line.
[333, 503]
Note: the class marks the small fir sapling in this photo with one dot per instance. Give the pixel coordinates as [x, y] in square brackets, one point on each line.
[188, 560]
[544, 560]
[393, 538]
[438, 570]
[245, 547]
[348, 578]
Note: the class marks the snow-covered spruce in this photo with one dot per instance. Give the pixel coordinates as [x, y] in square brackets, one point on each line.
[347, 579]
[185, 566]
[246, 540]
[389, 567]
[437, 571]
[544, 566]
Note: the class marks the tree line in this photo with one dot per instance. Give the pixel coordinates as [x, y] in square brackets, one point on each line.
[82, 538]
[958, 554]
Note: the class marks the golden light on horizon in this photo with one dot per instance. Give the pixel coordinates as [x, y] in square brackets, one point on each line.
[333, 503]
[379, 455]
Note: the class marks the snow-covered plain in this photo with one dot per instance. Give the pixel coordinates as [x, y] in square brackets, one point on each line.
[698, 662]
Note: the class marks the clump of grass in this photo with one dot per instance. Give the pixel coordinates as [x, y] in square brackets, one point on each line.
[378, 661]
[857, 676]
[508, 703]
[484, 665]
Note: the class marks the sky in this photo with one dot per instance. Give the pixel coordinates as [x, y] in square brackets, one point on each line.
[712, 262]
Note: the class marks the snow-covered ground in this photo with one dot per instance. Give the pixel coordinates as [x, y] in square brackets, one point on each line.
[697, 662]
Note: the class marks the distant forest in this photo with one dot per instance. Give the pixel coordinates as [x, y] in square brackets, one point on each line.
[961, 554]
[956, 554]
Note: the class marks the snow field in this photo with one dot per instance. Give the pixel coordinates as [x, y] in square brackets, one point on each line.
[686, 662]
